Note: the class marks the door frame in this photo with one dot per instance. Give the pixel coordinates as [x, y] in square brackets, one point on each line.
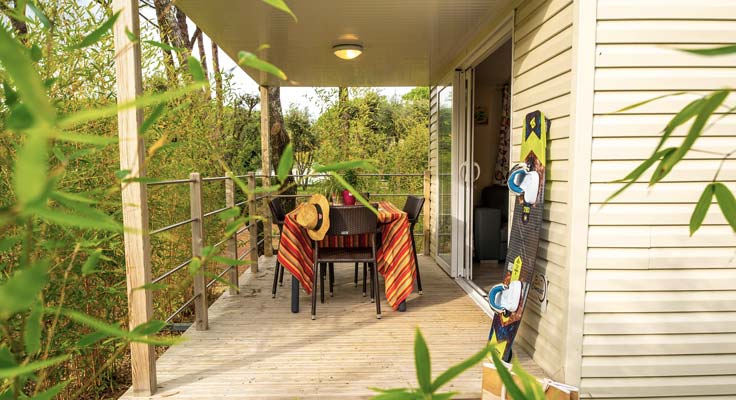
[462, 240]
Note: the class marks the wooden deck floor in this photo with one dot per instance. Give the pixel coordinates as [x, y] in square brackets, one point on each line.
[256, 348]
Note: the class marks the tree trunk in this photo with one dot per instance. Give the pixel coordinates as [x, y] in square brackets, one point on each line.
[203, 60]
[279, 139]
[19, 26]
[342, 106]
[171, 32]
[218, 90]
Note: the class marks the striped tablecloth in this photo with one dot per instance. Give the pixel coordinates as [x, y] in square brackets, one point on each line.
[395, 258]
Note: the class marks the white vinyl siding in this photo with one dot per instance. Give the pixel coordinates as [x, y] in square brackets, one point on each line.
[660, 306]
[542, 81]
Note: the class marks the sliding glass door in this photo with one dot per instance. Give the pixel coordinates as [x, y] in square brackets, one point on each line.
[445, 220]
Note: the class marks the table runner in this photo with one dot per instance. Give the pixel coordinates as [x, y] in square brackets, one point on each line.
[395, 257]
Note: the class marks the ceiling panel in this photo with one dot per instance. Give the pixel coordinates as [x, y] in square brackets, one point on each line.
[403, 40]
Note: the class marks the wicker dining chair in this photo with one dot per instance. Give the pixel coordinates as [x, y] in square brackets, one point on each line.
[279, 216]
[347, 221]
[412, 208]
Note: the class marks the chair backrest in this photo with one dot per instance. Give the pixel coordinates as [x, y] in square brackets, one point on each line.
[413, 207]
[277, 211]
[352, 220]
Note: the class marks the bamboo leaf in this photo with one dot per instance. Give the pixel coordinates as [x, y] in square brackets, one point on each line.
[508, 381]
[711, 104]
[726, 201]
[91, 338]
[76, 220]
[96, 34]
[195, 68]
[12, 372]
[52, 392]
[149, 328]
[39, 14]
[285, 163]
[641, 103]
[713, 51]
[422, 363]
[532, 387]
[162, 46]
[459, 368]
[90, 265]
[18, 292]
[152, 118]
[358, 196]
[9, 243]
[281, 5]
[97, 140]
[21, 70]
[230, 213]
[112, 330]
[32, 330]
[688, 112]
[229, 261]
[29, 179]
[701, 209]
[248, 59]
[84, 116]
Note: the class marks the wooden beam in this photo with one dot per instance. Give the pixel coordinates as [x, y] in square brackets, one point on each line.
[201, 321]
[232, 242]
[134, 195]
[266, 168]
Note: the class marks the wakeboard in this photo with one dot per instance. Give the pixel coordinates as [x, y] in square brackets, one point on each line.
[526, 180]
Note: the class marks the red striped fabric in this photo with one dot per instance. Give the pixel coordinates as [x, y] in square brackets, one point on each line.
[395, 258]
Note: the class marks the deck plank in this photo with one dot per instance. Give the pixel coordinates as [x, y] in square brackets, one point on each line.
[257, 349]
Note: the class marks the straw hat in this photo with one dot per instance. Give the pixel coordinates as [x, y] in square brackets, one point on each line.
[314, 216]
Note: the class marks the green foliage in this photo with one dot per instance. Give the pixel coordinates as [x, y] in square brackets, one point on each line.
[428, 389]
[700, 111]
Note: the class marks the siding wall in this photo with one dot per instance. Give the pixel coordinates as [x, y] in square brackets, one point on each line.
[660, 306]
[433, 168]
[542, 80]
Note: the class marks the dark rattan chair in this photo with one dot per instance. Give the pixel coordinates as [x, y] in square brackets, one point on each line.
[278, 215]
[413, 208]
[346, 221]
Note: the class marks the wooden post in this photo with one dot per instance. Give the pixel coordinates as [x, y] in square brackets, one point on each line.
[134, 195]
[232, 242]
[201, 321]
[266, 169]
[427, 212]
[252, 223]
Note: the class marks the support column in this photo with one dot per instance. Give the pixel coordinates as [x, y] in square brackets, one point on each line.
[134, 195]
[266, 168]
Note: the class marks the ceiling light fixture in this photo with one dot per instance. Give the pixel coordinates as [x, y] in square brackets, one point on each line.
[347, 51]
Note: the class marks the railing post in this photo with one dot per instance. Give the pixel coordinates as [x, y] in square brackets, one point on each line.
[252, 222]
[201, 322]
[232, 242]
[266, 169]
[427, 211]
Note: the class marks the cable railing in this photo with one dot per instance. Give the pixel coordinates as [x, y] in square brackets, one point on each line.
[252, 204]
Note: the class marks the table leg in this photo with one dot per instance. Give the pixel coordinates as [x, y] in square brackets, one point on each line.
[294, 294]
[402, 306]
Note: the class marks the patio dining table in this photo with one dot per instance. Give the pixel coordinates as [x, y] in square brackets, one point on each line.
[395, 258]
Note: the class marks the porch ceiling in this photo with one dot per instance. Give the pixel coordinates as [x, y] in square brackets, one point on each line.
[405, 42]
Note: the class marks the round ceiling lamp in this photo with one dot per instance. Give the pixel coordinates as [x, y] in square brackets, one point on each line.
[347, 51]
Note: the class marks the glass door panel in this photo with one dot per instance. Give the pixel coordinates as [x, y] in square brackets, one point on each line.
[444, 223]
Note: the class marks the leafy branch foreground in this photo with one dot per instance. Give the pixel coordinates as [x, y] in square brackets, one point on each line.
[39, 275]
[701, 111]
[530, 388]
